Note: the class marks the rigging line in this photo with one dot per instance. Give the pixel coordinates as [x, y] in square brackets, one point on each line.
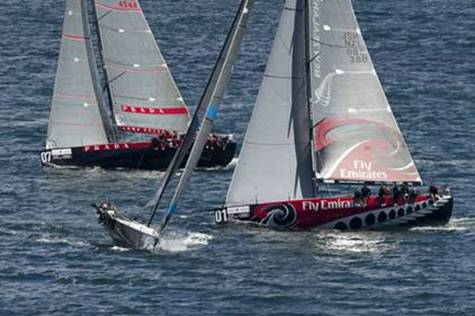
[314, 57]
[114, 79]
[103, 16]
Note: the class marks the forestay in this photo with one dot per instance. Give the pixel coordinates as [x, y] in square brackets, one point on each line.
[275, 162]
[75, 117]
[356, 137]
[144, 95]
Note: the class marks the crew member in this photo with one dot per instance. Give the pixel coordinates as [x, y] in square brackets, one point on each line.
[396, 194]
[382, 195]
[365, 193]
[434, 192]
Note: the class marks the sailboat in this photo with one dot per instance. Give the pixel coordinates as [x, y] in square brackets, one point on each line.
[130, 233]
[138, 118]
[322, 119]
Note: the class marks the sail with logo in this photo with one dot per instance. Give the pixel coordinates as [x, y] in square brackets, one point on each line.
[136, 235]
[356, 137]
[142, 122]
[321, 115]
[144, 96]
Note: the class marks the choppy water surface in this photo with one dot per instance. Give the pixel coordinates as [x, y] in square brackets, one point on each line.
[55, 259]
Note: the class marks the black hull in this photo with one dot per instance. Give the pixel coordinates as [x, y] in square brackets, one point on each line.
[130, 157]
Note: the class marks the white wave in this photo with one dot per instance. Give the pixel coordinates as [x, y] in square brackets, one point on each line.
[120, 249]
[356, 242]
[181, 243]
[455, 225]
[57, 240]
[229, 166]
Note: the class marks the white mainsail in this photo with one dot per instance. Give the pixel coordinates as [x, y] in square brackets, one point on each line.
[75, 117]
[356, 137]
[275, 162]
[144, 96]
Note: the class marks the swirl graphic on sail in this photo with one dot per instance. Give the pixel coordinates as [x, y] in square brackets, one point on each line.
[356, 137]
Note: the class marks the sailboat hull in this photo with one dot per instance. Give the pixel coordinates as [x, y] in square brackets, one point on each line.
[343, 213]
[142, 155]
[124, 231]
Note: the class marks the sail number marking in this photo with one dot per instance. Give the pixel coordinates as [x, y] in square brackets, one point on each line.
[46, 157]
[128, 4]
[355, 51]
[221, 216]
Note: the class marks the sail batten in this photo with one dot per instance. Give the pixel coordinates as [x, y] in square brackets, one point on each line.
[356, 137]
[76, 117]
[139, 77]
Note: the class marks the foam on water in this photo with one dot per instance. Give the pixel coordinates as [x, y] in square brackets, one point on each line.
[120, 249]
[464, 224]
[182, 242]
[59, 240]
[355, 242]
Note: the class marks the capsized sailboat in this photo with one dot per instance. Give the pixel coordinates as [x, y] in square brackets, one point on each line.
[322, 117]
[130, 233]
[149, 115]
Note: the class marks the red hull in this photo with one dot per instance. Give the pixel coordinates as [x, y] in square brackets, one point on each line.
[343, 213]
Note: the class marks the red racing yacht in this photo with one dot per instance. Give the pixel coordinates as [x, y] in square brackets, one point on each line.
[322, 119]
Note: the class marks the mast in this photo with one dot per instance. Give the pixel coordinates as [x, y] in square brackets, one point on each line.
[211, 100]
[111, 136]
[75, 117]
[308, 89]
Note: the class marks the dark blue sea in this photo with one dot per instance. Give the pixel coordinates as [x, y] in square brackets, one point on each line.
[56, 260]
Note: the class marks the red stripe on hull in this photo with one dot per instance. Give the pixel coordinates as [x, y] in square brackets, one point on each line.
[321, 212]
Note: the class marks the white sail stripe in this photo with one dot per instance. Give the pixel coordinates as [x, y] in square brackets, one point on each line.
[395, 151]
[343, 157]
[409, 165]
[353, 110]
[329, 28]
[120, 30]
[354, 72]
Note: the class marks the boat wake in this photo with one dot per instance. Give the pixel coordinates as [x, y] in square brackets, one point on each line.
[229, 166]
[464, 224]
[356, 242]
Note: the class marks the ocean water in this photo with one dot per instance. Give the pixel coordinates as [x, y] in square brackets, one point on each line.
[56, 260]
